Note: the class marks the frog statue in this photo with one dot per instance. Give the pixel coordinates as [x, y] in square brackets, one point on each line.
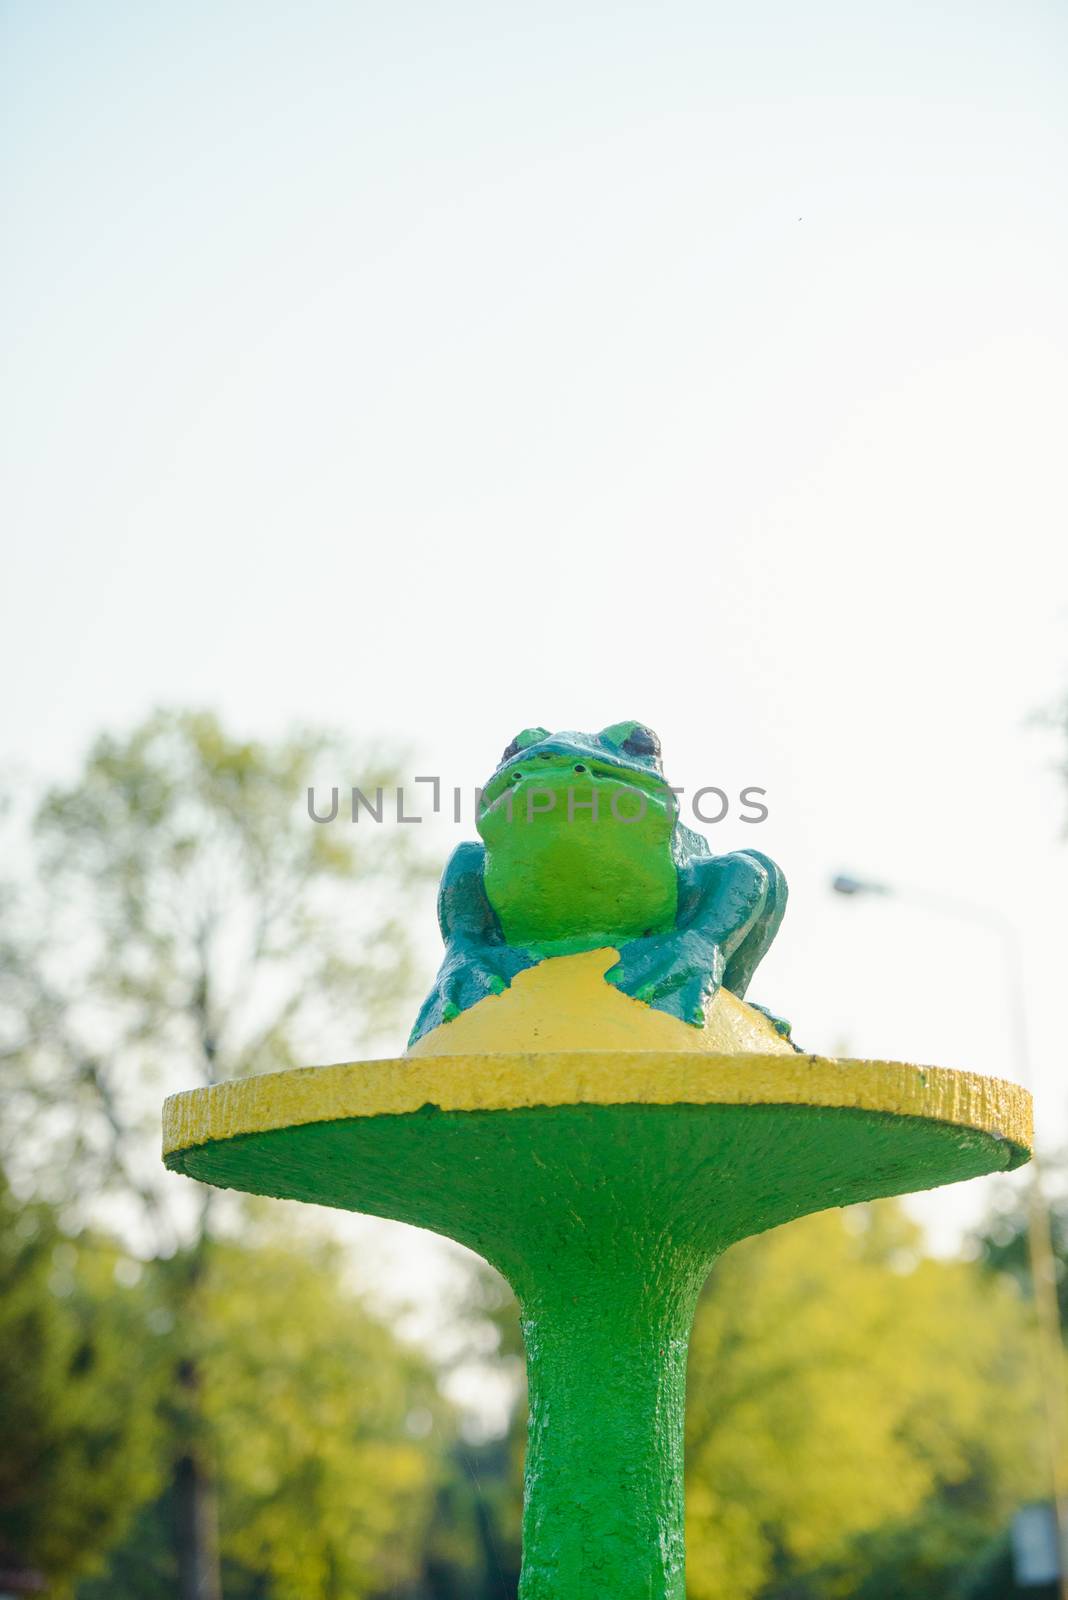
[583, 849]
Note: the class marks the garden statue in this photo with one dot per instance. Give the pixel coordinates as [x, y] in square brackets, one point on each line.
[566, 880]
[589, 1102]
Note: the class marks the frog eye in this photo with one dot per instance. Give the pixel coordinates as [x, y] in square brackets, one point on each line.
[633, 738]
[522, 741]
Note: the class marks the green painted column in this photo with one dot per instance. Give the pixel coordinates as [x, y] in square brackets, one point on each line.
[606, 1368]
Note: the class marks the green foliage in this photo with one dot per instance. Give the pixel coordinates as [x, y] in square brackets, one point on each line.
[189, 922]
[472, 1549]
[330, 1434]
[193, 924]
[926, 1556]
[473, 1544]
[322, 1420]
[991, 1578]
[327, 1434]
[1003, 1240]
[853, 1406]
[80, 1372]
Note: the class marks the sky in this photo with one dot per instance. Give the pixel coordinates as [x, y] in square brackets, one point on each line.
[435, 371]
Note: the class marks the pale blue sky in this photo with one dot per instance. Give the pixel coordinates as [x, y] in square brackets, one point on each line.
[438, 370]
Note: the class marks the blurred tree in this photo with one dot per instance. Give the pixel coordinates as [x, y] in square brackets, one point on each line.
[472, 1545]
[323, 1421]
[1002, 1241]
[1001, 1245]
[197, 925]
[857, 1413]
[992, 1577]
[332, 1435]
[472, 1551]
[79, 1449]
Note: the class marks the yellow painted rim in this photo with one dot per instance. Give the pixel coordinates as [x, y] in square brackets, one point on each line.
[509, 1082]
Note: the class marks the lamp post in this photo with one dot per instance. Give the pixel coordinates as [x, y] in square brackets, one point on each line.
[1039, 1230]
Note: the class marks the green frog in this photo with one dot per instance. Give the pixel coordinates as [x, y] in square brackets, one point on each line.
[582, 848]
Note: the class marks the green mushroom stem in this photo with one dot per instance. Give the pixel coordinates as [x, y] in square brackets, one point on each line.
[606, 1371]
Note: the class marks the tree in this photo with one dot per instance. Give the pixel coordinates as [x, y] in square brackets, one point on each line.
[80, 1436]
[473, 1544]
[1002, 1241]
[853, 1405]
[330, 1434]
[193, 924]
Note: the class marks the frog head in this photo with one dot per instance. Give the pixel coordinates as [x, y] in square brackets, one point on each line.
[578, 829]
[621, 759]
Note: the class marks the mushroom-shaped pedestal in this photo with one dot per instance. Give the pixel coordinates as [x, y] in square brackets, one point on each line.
[601, 1155]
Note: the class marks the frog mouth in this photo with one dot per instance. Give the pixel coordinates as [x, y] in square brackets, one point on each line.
[557, 771]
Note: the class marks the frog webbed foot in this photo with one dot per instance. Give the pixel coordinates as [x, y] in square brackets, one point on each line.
[468, 974]
[677, 972]
[783, 1028]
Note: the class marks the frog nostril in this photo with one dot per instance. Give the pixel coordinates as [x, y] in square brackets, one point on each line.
[580, 769]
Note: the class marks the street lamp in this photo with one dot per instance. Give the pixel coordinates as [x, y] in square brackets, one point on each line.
[1039, 1231]
[844, 884]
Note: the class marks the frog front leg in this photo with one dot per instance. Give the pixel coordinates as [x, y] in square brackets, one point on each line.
[477, 959]
[729, 908]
